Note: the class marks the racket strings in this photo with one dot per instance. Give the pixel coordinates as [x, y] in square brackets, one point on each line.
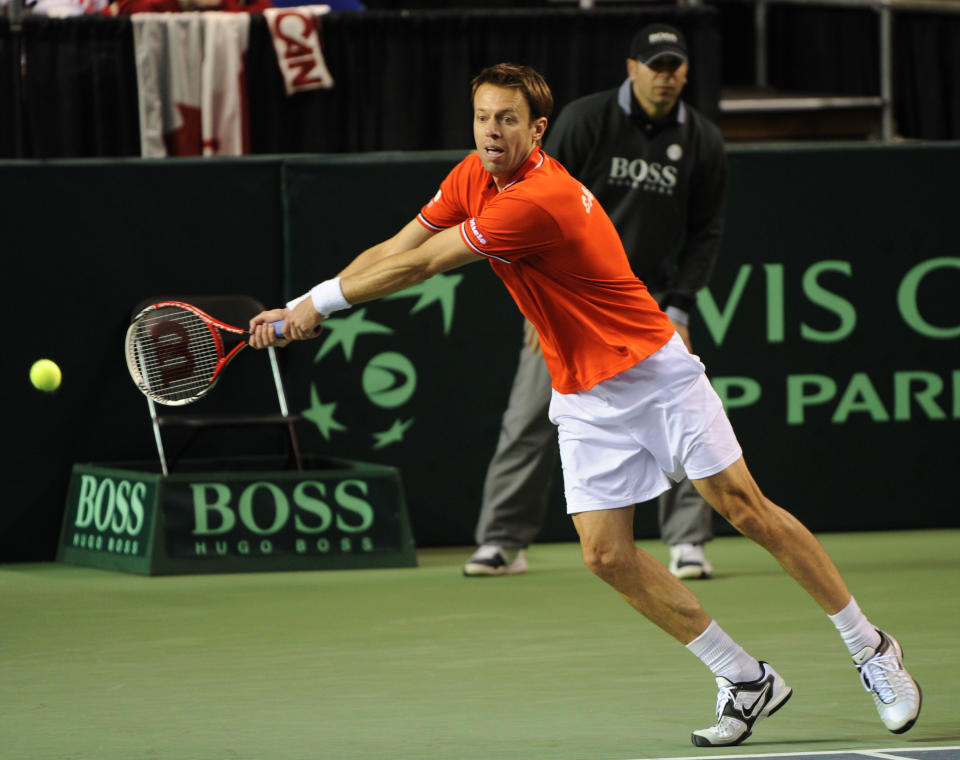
[175, 353]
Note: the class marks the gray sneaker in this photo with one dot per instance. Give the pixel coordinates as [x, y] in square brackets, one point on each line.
[740, 706]
[895, 693]
[495, 560]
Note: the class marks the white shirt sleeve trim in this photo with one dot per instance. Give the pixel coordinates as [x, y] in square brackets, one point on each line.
[466, 238]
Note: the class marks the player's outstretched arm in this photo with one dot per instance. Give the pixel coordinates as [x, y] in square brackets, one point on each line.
[440, 252]
[410, 236]
[374, 276]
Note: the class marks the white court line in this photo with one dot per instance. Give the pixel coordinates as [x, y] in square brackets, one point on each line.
[879, 753]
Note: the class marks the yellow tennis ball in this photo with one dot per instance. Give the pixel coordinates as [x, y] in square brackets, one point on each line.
[45, 375]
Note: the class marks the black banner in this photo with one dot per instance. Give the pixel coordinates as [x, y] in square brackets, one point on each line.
[830, 326]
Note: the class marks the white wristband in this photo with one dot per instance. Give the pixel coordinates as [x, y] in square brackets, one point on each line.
[328, 297]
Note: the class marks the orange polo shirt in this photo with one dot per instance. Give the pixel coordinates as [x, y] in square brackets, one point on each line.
[560, 257]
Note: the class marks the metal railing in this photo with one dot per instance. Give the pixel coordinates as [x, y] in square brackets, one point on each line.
[885, 10]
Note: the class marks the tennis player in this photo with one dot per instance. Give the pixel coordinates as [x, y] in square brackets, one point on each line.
[633, 408]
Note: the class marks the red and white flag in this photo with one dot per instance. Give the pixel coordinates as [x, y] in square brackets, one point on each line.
[224, 115]
[296, 40]
[191, 83]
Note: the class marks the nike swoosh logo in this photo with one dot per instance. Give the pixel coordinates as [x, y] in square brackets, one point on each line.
[757, 705]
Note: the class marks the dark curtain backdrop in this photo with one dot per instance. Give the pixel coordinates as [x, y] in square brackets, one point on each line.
[402, 77]
[79, 88]
[823, 50]
[402, 80]
[7, 55]
[927, 75]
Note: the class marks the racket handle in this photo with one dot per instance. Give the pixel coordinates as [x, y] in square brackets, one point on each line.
[278, 328]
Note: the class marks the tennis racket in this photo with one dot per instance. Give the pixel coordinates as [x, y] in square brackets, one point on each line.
[177, 352]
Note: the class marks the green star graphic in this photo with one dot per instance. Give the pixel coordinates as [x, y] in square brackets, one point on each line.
[345, 332]
[321, 414]
[393, 435]
[440, 288]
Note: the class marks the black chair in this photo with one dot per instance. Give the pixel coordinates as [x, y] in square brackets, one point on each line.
[248, 371]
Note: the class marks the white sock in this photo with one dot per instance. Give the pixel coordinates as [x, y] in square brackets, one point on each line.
[856, 630]
[724, 656]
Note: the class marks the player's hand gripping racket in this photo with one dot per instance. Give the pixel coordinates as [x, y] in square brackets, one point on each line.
[176, 352]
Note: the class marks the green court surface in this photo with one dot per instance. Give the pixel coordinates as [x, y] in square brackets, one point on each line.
[425, 664]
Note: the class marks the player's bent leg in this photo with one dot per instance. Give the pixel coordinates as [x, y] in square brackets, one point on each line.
[736, 496]
[606, 539]
[609, 551]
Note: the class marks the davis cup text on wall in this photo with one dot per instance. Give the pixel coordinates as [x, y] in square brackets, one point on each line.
[907, 301]
[807, 392]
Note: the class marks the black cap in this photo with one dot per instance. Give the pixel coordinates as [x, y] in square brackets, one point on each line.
[657, 40]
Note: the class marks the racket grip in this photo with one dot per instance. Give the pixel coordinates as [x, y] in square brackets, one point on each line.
[278, 328]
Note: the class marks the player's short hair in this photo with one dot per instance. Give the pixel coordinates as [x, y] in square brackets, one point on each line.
[524, 78]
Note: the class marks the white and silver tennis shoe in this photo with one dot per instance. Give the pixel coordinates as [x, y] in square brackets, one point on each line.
[740, 706]
[689, 561]
[895, 693]
[495, 560]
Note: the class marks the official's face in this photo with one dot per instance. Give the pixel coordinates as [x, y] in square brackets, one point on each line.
[502, 129]
[658, 85]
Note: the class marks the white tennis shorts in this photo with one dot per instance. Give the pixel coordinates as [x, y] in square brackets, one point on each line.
[624, 440]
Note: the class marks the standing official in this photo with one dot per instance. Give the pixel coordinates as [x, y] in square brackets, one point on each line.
[659, 170]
